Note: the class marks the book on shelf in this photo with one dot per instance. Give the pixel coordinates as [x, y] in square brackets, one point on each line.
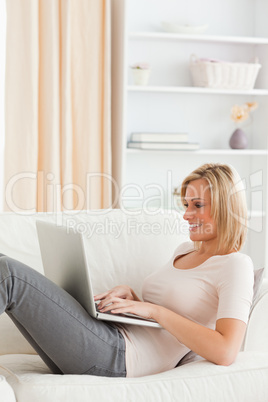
[159, 137]
[185, 146]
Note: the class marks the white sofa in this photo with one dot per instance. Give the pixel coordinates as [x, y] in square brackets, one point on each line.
[124, 248]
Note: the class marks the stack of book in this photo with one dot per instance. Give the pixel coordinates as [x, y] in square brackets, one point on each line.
[162, 141]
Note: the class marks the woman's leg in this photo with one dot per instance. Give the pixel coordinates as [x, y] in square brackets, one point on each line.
[68, 339]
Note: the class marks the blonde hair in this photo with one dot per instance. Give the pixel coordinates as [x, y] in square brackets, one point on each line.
[228, 204]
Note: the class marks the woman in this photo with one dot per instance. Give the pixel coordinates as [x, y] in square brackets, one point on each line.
[201, 297]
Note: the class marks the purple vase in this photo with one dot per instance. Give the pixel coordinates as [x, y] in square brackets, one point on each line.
[238, 139]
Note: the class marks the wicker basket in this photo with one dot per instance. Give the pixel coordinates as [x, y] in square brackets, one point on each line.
[224, 75]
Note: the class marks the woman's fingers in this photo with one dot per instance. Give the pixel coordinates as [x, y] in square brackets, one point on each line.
[107, 299]
[101, 296]
[105, 302]
[110, 303]
[119, 291]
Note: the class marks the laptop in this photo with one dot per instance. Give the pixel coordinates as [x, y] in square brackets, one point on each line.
[66, 264]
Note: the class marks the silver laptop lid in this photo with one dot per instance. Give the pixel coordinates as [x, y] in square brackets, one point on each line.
[65, 262]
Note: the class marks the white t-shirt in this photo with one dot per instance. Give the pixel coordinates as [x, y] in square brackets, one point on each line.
[221, 287]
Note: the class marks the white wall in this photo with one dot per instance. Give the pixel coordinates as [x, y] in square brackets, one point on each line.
[2, 91]
[148, 14]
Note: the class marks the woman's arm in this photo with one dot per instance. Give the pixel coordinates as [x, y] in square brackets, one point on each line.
[219, 346]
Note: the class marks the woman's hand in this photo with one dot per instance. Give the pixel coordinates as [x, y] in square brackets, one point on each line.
[123, 306]
[123, 292]
[122, 300]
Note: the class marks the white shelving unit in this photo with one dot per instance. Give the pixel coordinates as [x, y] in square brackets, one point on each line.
[169, 103]
[199, 38]
[197, 90]
[231, 152]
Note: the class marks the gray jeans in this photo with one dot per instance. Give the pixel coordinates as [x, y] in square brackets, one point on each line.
[65, 336]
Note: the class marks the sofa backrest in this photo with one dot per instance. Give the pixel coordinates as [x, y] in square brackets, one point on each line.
[256, 337]
[122, 248]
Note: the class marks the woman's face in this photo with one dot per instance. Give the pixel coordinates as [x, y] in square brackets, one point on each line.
[197, 202]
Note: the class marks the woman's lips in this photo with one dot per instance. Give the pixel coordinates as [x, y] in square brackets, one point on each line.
[194, 226]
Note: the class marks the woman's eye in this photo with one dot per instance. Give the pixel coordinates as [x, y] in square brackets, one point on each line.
[199, 205]
[185, 205]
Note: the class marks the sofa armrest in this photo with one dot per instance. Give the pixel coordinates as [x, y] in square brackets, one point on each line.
[6, 392]
[257, 331]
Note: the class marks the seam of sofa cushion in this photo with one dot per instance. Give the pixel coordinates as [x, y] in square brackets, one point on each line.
[11, 373]
[128, 381]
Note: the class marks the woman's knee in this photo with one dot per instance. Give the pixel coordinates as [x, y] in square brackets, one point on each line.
[10, 267]
[6, 267]
[4, 261]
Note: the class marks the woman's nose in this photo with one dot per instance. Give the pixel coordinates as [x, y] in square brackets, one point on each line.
[188, 214]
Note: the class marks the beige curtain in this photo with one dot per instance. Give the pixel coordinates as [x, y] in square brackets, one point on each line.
[58, 105]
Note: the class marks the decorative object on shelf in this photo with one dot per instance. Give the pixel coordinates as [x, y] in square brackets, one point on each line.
[175, 27]
[177, 200]
[162, 141]
[140, 73]
[238, 139]
[212, 73]
[239, 114]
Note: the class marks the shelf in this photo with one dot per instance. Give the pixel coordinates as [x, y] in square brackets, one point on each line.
[231, 152]
[199, 38]
[256, 214]
[165, 208]
[196, 90]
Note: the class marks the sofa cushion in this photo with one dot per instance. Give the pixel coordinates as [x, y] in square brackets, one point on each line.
[258, 278]
[11, 340]
[245, 380]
